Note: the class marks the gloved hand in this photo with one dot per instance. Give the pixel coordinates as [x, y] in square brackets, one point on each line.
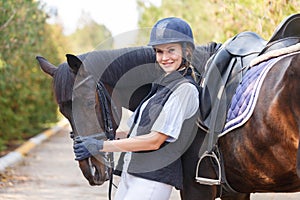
[86, 147]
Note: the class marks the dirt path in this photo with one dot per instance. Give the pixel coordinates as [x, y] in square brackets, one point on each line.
[50, 172]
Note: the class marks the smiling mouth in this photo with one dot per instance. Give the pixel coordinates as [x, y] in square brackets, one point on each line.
[167, 64]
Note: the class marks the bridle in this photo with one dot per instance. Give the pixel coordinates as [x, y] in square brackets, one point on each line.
[108, 133]
[104, 98]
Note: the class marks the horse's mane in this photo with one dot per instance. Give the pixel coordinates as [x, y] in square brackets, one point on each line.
[129, 59]
[63, 83]
[111, 65]
[123, 60]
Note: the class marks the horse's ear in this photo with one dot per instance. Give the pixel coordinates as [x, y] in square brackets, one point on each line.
[46, 66]
[74, 62]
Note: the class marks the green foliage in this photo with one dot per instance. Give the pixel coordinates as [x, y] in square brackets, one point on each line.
[219, 20]
[259, 16]
[25, 92]
[89, 35]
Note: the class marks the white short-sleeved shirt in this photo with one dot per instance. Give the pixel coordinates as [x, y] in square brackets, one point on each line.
[182, 104]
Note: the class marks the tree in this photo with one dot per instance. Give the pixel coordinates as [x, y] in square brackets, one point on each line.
[26, 100]
[89, 35]
[259, 16]
[218, 20]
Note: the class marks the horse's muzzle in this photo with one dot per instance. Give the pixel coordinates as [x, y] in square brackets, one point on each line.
[95, 171]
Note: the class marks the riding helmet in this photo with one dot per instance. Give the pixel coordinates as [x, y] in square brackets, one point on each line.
[171, 30]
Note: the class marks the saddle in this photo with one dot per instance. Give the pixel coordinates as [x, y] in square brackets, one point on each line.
[286, 34]
[223, 73]
[225, 69]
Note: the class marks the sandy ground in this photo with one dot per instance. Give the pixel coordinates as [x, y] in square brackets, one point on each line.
[50, 172]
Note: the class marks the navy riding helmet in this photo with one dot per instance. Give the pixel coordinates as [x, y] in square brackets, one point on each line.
[171, 30]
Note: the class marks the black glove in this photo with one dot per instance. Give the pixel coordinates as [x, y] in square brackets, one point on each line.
[86, 147]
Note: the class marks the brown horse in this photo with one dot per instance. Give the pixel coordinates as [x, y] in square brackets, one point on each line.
[260, 156]
[266, 154]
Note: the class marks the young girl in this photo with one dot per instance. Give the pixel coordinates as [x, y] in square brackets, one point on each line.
[163, 126]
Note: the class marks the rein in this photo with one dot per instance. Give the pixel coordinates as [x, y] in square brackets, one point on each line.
[104, 98]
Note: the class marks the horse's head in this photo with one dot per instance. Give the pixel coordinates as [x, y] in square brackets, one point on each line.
[75, 93]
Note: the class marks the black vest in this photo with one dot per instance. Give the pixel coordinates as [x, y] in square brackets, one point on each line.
[163, 165]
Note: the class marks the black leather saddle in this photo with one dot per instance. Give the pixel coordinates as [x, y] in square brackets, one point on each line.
[225, 69]
[223, 73]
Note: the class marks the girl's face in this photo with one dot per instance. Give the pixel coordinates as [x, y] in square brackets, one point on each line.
[169, 56]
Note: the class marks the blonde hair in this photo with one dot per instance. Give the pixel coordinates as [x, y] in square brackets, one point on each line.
[187, 64]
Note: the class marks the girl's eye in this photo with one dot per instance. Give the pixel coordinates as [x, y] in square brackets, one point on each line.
[171, 50]
[158, 51]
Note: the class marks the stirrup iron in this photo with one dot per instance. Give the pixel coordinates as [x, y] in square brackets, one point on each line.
[208, 181]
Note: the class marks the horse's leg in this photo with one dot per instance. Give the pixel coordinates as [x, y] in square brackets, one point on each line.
[191, 189]
[235, 196]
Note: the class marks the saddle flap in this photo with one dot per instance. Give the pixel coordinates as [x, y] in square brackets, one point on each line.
[245, 43]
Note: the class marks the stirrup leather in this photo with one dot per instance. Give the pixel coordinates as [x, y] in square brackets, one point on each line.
[208, 181]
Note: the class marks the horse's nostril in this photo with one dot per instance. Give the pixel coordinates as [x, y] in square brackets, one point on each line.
[95, 172]
[99, 179]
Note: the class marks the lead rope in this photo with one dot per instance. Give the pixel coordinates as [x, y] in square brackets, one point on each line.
[111, 182]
